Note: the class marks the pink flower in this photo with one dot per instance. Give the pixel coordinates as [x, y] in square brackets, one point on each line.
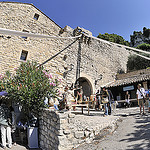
[54, 84]
[59, 80]
[44, 71]
[50, 75]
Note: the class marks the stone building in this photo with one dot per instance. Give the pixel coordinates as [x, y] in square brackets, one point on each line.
[88, 56]
[88, 60]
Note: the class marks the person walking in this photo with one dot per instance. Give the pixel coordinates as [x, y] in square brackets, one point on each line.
[127, 99]
[97, 106]
[105, 100]
[5, 125]
[140, 97]
[110, 99]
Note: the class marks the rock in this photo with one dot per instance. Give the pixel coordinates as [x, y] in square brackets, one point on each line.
[66, 132]
[79, 134]
[86, 133]
[71, 115]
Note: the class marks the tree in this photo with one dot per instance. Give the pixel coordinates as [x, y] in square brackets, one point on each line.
[29, 86]
[144, 46]
[113, 38]
[136, 62]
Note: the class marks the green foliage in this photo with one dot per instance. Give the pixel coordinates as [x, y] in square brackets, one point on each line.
[144, 46]
[29, 86]
[146, 32]
[113, 38]
[136, 62]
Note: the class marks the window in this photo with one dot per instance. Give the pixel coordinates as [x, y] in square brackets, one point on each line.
[36, 16]
[24, 55]
[24, 37]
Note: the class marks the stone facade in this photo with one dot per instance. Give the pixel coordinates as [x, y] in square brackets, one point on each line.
[65, 131]
[90, 56]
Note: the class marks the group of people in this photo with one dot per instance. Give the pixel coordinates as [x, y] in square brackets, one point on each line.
[142, 96]
[104, 96]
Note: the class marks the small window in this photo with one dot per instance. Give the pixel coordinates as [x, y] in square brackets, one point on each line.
[36, 16]
[24, 37]
[24, 55]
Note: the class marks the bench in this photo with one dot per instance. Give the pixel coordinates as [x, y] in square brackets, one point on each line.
[80, 105]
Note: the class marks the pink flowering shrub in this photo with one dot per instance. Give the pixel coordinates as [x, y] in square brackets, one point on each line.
[30, 85]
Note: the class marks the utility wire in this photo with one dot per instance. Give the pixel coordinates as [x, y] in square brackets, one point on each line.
[57, 53]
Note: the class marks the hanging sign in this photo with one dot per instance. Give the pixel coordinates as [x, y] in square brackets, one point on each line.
[128, 88]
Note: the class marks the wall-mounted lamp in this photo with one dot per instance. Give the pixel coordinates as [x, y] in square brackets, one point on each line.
[99, 78]
[65, 73]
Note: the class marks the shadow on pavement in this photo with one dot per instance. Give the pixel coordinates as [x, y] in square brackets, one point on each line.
[141, 135]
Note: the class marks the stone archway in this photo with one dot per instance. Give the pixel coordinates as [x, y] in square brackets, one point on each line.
[86, 86]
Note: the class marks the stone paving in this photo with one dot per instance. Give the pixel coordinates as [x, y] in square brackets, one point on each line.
[132, 133]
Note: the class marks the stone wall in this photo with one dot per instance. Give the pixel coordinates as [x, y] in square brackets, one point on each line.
[90, 56]
[64, 130]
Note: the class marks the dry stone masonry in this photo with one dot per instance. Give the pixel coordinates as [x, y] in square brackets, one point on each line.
[90, 56]
[65, 130]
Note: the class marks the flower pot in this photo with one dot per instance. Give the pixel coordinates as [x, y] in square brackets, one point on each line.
[32, 133]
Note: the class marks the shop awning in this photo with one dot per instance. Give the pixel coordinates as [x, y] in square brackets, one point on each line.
[129, 78]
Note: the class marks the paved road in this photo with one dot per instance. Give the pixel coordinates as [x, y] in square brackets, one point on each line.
[133, 133]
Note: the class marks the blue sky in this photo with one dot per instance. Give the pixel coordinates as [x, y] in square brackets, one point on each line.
[121, 17]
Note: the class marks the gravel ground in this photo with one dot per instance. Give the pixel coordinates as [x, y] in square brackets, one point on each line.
[133, 133]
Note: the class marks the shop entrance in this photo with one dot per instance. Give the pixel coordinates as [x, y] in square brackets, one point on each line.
[86, 86]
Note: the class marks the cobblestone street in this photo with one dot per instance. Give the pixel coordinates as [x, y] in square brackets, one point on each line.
[132, 133]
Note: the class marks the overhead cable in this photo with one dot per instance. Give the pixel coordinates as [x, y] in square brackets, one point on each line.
[26, 34]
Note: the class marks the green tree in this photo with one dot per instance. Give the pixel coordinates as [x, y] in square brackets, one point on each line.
[29, 86]
[136, 62]
[144, 46]
[113, 38]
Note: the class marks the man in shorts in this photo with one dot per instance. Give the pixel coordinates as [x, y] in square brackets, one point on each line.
[140, 97]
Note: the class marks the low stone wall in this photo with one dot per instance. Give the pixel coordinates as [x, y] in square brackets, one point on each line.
[65, 130]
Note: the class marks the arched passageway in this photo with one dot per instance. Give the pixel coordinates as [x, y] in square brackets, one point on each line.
[86, 86]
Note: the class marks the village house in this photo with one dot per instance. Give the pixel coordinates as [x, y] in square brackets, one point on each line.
[89, 57]
[86, 60]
